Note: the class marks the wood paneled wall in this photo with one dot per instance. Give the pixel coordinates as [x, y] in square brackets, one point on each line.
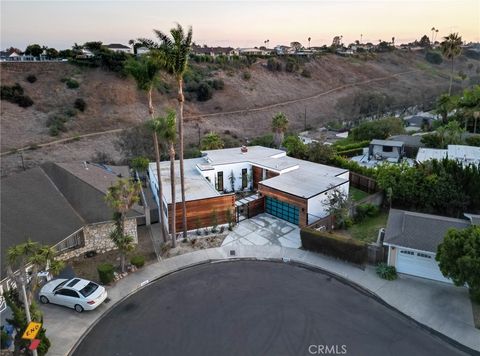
[199, 212]
[257, 176]
[301, 203]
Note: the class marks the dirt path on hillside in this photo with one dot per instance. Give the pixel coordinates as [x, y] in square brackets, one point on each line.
[245, 111]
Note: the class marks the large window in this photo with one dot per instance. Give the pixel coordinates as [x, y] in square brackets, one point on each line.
[220, 181]
[387, 149]
[244, 178]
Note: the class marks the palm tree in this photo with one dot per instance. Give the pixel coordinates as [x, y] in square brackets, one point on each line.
[309, 39]
[121, 197]
[176, 51]
[212, 141]
[279, 126]
[451, 48]
[433, 32]
[165, 127]
[145, 72]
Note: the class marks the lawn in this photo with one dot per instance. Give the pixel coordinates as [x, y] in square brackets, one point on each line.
[367, 230]
[357, 194]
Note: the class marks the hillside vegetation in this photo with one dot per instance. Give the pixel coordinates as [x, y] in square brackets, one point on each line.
[240, 101]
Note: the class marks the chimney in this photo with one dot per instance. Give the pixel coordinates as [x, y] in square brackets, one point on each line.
[244, 149]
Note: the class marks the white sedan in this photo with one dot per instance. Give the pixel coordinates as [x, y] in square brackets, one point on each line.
[77, 293]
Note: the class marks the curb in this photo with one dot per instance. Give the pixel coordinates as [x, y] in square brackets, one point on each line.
[292, 262]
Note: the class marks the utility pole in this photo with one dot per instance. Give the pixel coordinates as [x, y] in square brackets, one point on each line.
[305, 119]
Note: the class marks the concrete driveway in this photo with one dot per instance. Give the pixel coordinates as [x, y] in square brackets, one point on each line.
[264, 230]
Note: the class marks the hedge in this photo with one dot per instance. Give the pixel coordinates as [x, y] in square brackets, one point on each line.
[137, 261]
[105, 273]
[334, 245]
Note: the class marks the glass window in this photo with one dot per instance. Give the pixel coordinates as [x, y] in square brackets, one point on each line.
[220, 181]
[244, 178]
[387, 149]
[68, 293]
[89, 289]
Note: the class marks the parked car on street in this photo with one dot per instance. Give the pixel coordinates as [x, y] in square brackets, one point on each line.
[77, 293]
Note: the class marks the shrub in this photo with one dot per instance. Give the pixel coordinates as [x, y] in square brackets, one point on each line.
[138, 261]
[386, 272]
[71, 83]
[291, 66]
[433, 57]
[24, 101]
[473, 140]
[15, 95]
[218, 84]
[105, 273]
[56, 124]
[70, 112]
[80, 104]
[334, 245]
[204, 92]
[306, 73]
[246, 75]
[31, 78]
[274, 65]
[366, 210]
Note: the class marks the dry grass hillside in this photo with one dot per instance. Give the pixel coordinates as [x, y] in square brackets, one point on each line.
[243, 107]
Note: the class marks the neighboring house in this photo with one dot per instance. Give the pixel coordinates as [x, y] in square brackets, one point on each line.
[213, 51]
[413, 238]
[142, 50]
[418, 121]
[117, 47]
[286, 187]
[85, 54]
[253, 52]
[389, 150]
[465, 154]
[412, 143]
[64, 205]
[283, 50]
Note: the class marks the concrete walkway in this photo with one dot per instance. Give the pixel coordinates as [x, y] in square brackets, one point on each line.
[264, 230]
[439, 306]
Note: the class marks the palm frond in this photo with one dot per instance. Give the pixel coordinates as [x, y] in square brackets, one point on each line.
[164, 39]
[150, 44]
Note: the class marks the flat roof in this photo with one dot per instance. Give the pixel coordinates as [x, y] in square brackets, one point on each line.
[425, 154]
[196, 186]
[387, 143]
[463, 152]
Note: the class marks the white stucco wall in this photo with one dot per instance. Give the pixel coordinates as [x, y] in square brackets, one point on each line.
[227, 169]
[317, 205]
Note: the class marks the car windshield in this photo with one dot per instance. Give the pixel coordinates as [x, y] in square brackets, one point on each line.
[60, 285]
[89, 289]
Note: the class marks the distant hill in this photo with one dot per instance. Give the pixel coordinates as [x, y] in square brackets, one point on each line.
[244, 107]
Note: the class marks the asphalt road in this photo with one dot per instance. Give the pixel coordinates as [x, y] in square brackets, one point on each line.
[256, 308]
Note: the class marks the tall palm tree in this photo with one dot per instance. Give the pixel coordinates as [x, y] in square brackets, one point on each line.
[451, 48]
[176, 50]
[279, 126]
[145, 71]
[309, 39]
[165, 127]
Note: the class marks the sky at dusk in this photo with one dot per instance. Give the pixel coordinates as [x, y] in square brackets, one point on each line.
[236, 23]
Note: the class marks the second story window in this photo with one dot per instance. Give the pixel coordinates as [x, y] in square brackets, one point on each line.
[220, 181]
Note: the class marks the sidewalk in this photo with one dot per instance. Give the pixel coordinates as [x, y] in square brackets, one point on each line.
[442, 307]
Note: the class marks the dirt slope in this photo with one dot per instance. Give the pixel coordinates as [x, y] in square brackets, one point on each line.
[244, 107]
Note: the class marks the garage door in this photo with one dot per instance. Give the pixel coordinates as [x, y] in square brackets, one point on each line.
[282, 210]
[419, 264]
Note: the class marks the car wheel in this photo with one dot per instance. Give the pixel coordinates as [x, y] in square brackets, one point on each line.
[78, 308]
[44, 299]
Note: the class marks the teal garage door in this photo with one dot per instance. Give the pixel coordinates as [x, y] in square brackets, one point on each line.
[282, 210]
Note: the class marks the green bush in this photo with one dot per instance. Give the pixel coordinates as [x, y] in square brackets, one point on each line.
[138, 261]
[274, 65]
[306, 73]
[291, 66]
[473, 140]
[31, 78]
[246, 76]
[204, 92]
[105, 273]
[15, 95]
[218, 84]
[386, 272]
[351, 152]
[366, 211]
[334, 245]
[56, 124]
[80, 104]
[71, 83]
[433, 57]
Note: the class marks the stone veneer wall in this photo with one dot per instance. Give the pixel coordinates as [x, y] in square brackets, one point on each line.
[96, 237]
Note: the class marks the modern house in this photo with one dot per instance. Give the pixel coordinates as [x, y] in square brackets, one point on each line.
[117, 47]
[62, 205]
[461, 153]
[253, 52]
[413, 238]
[286, 187]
